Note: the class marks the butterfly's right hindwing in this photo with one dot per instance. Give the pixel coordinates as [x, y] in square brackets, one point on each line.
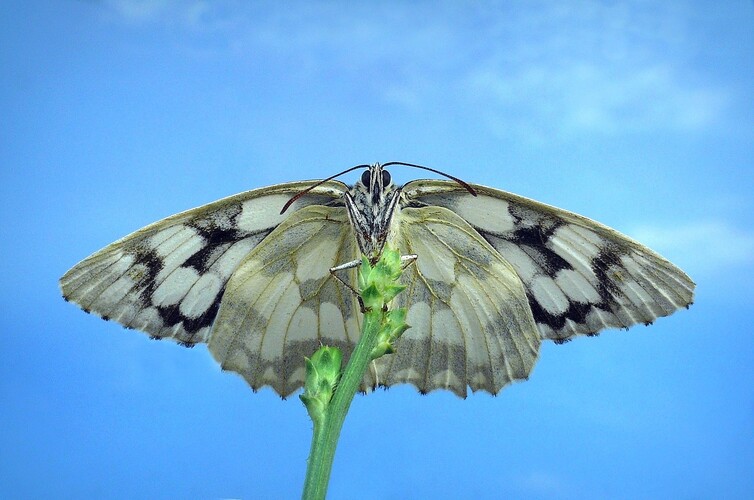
[470, 321]
[168, 278]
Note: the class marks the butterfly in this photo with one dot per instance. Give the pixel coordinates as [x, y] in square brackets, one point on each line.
[494, 275]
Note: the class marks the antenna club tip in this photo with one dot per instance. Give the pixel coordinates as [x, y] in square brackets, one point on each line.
[289, 203]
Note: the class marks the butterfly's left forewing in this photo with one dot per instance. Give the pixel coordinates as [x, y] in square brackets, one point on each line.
[168, 278]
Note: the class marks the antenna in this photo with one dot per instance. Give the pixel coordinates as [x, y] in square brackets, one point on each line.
[466, 186]
[302, 193]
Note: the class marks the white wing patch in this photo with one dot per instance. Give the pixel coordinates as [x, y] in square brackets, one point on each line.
[580, 276]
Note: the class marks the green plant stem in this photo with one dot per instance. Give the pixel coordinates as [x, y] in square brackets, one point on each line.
[327, 429]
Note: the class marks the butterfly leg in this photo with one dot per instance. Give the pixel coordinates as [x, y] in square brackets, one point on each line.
[349, 265]
[406, 260]
[342, 267]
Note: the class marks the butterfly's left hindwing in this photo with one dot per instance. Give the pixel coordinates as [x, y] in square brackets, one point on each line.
[168, 278]
[282, 304]
[580, 276]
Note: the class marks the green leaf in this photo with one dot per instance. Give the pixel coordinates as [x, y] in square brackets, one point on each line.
[323, 371]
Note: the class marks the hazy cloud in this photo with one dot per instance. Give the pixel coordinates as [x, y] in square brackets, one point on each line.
[539, 71]
[704, 246]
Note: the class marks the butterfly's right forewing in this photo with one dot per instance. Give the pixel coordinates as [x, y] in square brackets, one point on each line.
[580, 276]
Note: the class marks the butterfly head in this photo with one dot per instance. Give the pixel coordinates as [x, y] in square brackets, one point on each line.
[371, 204]
[375, 181]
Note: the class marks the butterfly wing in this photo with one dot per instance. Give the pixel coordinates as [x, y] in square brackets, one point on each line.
[168, 278]
[580, 276]
[282, 304]
[469, 316]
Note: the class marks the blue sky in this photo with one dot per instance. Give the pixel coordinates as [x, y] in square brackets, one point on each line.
[118, 113]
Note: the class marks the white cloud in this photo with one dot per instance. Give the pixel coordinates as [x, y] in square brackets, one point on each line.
[194, 15]
[704, 246]
[546, 484]
[604, 69]
[138, 11]
[588, 97]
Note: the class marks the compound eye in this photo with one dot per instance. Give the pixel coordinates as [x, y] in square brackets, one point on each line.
[366, 178]
[385, 178]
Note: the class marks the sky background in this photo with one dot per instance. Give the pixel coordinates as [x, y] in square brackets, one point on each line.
[114, 114]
